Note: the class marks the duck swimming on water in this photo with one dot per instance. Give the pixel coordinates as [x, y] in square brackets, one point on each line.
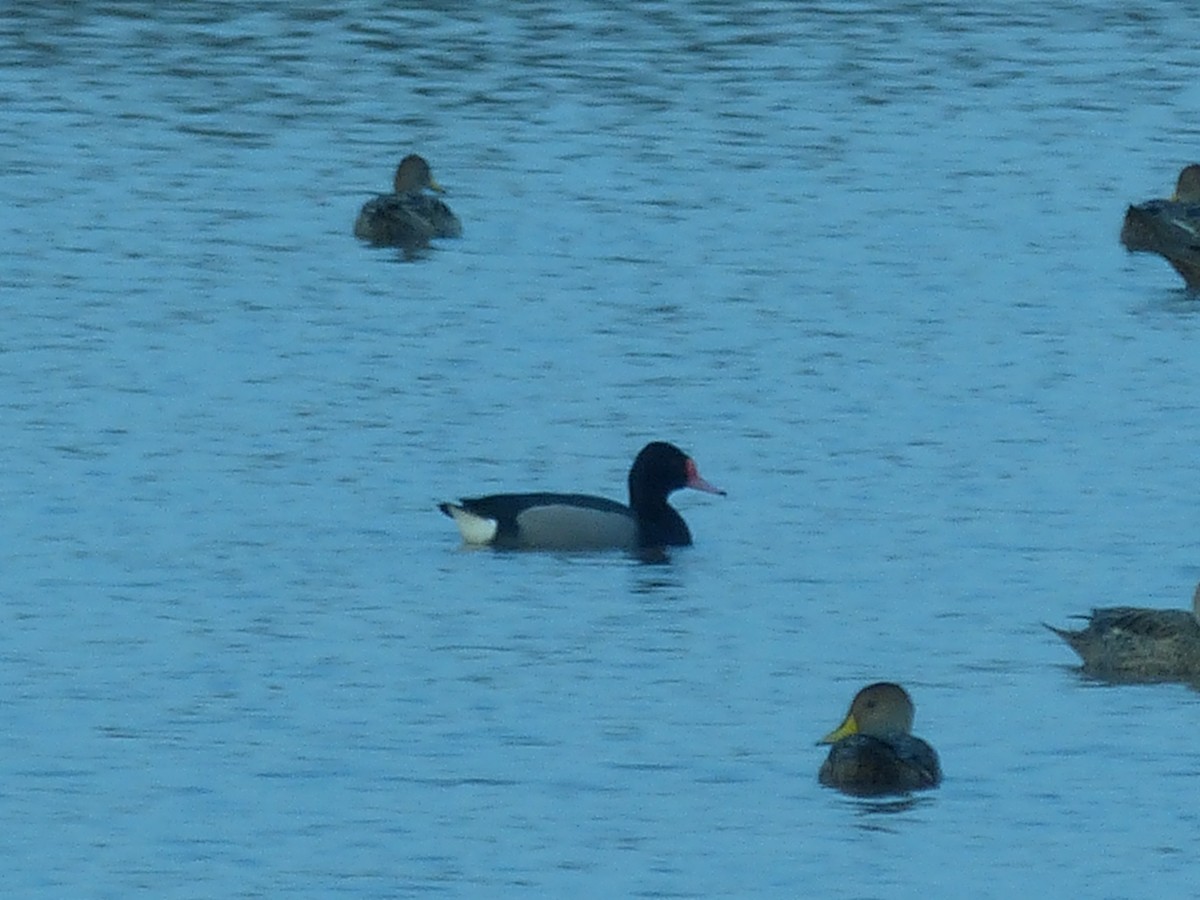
[1129, 643]
[546, 521]
[408, 217]
[1170, 228]
[873, 749]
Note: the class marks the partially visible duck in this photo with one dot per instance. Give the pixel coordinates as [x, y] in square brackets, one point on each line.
[1170, 228]
[874, 751]
[1128, 642]
[408, 217]
[544, 521]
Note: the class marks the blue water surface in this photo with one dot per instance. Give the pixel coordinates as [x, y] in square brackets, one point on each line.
[859, 260]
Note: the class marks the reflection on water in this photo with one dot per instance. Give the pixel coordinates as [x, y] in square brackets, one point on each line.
[872, 811]
[863, 259]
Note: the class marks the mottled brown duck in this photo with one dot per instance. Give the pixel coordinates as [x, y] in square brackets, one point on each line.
[874, 751]
[408, 217]
[1134, 643]
[1170, 228]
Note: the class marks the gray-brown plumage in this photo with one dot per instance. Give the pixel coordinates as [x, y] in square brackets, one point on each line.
[1127, 642]
[873, 750]
[408, 217]
[1170, 228]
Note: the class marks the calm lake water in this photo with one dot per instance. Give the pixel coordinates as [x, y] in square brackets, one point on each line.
[860, 260]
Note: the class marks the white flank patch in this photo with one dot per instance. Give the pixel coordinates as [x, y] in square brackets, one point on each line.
[475, 529]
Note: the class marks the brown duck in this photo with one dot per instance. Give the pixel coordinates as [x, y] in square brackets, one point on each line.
[874, 751]
[1170, 228]
[1128, 642]
[408, 217]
